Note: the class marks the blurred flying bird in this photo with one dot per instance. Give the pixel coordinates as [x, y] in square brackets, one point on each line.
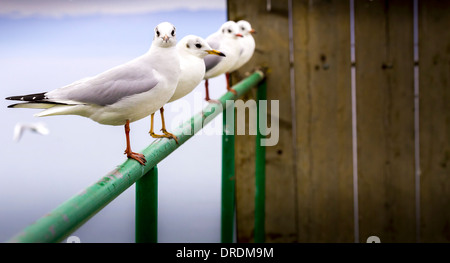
[37, 127]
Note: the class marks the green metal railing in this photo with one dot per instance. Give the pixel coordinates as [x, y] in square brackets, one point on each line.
[260, 169]
[70, 215]
[228, 181]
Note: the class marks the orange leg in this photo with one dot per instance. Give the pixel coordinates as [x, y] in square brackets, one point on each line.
[207, 93]
[151, 127]
[132, 155]
[228, 76]
[207, 90]
[166, 133]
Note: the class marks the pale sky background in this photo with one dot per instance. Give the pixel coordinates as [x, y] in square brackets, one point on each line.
[48, 44]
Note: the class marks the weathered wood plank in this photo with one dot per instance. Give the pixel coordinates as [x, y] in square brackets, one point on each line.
[434, 99]
[385, 103]
[324, 136]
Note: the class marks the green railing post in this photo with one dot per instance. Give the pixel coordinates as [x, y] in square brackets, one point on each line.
[260, 163]
[228, 178]
[146, 225]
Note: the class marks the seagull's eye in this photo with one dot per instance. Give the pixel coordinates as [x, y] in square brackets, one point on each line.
[157, 33]
[187, 45]
[243, 28]
[173, 32]
[198, 45]
[229, 31]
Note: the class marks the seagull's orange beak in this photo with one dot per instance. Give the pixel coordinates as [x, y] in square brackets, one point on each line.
[239, 35]
[215, 52]
[166, 38]
[253, 31]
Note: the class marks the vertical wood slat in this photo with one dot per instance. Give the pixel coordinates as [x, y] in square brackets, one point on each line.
[271, 51]
[385, 119]
[245, 183]
[434, 116]
[324, 136]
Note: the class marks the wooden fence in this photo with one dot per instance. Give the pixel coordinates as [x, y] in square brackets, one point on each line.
[364, 146]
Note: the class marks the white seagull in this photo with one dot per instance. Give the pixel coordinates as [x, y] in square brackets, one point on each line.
[225, 40]
[247, 43]
[191, 50]
[37, 127]
[121, 95]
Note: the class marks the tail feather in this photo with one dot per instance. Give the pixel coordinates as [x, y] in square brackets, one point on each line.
[30, 97]
[60, 110]
[50, 106]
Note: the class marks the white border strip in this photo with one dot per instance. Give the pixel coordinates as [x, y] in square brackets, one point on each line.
[354, 123]
[416, 116]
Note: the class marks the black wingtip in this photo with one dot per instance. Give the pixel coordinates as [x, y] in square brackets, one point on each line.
[29, 97]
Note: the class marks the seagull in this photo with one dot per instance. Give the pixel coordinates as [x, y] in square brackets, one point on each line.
[225, 40]
[121, 95]
[37, 127]
[247, 43]
[191, 50]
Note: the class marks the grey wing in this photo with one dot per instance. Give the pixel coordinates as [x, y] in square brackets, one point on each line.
[211, 62]
[214, 42]
[107, 88]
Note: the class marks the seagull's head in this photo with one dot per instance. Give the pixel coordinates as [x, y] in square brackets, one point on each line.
[245, 28]
[230, 29]
[197, 46]
[165, 35]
